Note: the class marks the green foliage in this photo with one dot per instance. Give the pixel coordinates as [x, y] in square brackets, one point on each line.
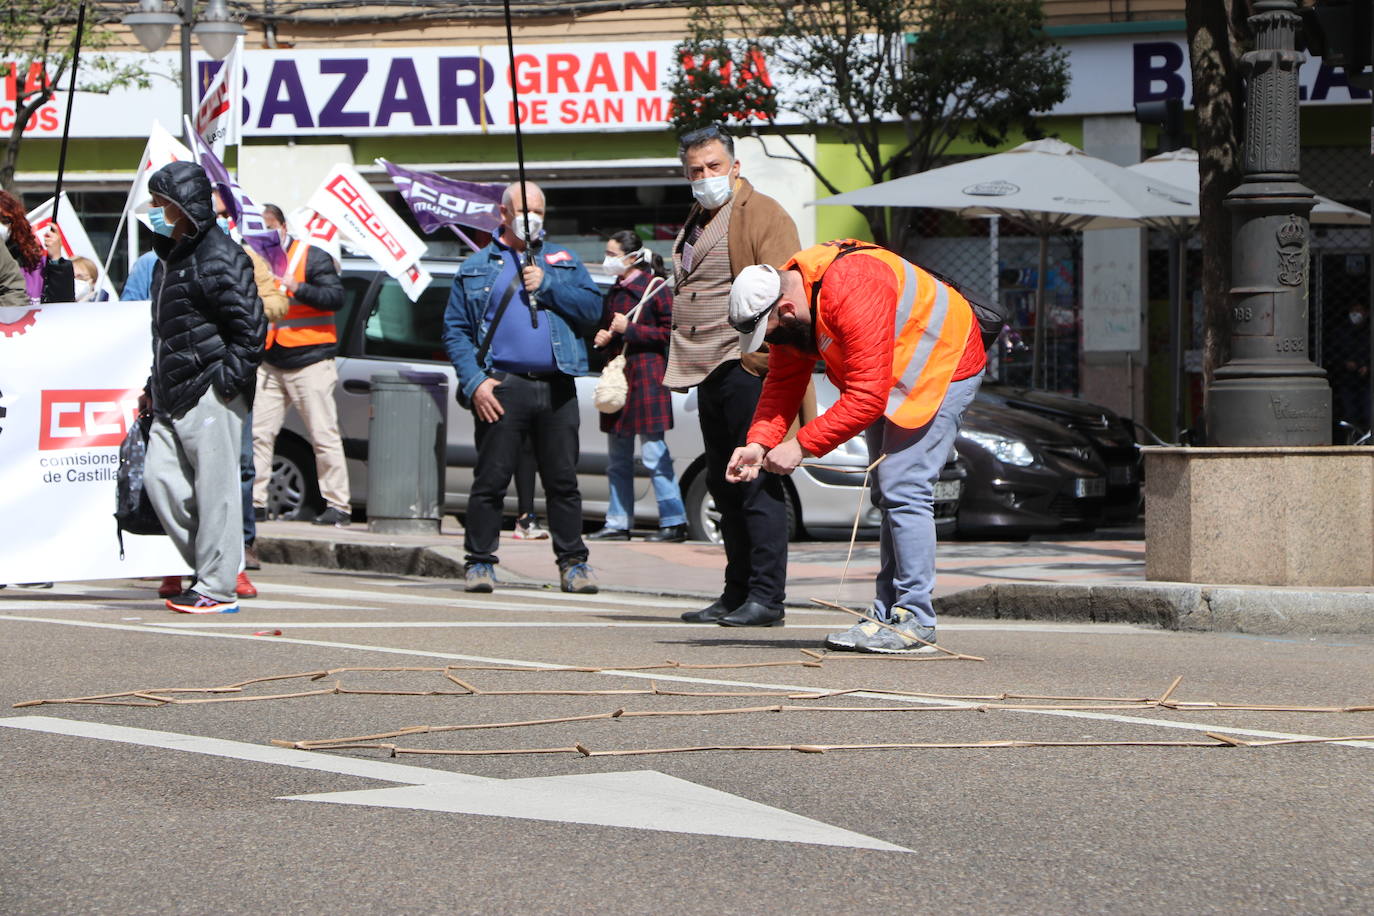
[938, 69]
[37, 40]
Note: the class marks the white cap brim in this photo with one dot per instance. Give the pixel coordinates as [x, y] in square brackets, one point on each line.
[753, 341]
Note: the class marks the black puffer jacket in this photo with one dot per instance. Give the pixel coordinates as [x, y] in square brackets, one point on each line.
[208, 325]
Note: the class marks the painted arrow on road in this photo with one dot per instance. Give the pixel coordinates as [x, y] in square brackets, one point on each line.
[638, 799]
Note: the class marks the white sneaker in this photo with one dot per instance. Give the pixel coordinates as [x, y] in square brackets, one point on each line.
[527, 528]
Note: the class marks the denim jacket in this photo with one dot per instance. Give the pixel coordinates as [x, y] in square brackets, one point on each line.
[568, 294]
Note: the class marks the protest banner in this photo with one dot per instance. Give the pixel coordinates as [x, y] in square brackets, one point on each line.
[75, 242]
[366, 222]
[70, 376]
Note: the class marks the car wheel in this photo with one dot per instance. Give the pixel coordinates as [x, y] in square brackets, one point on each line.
[703, 518]
[293, 492]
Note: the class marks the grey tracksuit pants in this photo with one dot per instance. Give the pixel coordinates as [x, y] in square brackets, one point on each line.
[192, 479]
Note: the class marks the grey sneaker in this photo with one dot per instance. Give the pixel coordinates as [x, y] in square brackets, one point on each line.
[479, 577]
[867, 636]
[579, 579]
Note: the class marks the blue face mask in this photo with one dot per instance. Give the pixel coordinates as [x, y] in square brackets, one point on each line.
[159, 222]
[223, 224]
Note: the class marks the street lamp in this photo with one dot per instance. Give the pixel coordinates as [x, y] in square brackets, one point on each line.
[153, 23]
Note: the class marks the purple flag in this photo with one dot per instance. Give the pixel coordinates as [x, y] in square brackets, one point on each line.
[437, 201]
[243, 213]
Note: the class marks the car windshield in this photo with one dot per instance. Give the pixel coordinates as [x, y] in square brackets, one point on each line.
[400, 329]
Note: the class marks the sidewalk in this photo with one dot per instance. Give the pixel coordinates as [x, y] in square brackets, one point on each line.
[1092, 579]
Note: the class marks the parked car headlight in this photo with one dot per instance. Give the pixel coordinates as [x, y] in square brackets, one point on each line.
[1009, 451]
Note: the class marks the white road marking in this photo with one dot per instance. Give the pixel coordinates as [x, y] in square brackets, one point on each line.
[640, 799]
[194, 624]
[677, 678]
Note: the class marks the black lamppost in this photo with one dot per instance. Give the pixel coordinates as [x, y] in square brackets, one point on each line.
[1269, 392]
[153, 23]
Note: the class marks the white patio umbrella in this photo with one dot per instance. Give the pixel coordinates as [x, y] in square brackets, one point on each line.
[1179, 167]
[1047, 186]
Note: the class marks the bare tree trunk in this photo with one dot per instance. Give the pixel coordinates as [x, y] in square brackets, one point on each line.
[1215, 32]
[9, 160]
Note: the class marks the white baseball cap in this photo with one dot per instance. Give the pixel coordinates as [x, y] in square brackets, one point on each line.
[753, 295]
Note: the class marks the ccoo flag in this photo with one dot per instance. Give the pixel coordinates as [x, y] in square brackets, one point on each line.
[244, 215]
[219, 117]
[437, 201]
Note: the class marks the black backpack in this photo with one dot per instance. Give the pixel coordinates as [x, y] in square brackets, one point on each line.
[133, 512]
[991, 317]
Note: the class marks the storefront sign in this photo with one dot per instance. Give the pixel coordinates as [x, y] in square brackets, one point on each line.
[562, 87]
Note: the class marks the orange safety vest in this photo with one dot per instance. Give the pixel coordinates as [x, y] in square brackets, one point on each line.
[303, 325]
[931, 329]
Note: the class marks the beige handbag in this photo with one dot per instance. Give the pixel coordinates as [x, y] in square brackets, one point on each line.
[613, 388]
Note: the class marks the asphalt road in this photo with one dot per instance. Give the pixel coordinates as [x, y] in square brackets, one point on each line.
[190, 808]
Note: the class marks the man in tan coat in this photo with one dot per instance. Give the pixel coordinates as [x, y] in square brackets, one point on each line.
[730, 227]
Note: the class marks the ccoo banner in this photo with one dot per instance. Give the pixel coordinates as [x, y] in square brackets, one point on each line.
[70, 375]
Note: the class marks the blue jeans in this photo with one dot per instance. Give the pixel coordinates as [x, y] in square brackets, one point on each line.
[903, 486]
[653, 452]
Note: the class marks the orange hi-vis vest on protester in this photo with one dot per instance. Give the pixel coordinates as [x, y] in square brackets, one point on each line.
[303, 325]
[930, 328]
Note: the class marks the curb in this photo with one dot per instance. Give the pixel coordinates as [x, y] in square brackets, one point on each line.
[1169, 606]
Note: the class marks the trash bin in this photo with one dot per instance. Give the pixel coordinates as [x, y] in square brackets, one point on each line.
[406, 445]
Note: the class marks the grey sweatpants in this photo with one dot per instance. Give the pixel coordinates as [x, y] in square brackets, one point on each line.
[192, 479]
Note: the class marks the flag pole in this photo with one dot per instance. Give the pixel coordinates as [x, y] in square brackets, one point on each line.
[531, 245]
[67, 124]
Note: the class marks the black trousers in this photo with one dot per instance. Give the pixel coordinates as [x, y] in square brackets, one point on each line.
[544, 414]
[753, 516]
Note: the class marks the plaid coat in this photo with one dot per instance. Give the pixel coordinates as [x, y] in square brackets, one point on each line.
[648, 405]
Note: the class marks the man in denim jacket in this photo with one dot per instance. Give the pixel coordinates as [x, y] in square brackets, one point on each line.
[524, 384]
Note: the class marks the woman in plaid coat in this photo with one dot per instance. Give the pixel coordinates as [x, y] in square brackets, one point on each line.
[648, 409]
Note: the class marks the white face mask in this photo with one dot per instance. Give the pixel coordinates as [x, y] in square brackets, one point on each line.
[536, 226]
[4, 232]
[1357, 318]
[83, 290]
[713, 192]
[614, 264]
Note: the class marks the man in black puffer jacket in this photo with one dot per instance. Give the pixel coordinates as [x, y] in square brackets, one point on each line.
[208, 330]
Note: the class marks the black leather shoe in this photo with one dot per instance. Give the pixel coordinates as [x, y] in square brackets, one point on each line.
[709, 614]
[610, 534]
[753, 614]
[674, 533]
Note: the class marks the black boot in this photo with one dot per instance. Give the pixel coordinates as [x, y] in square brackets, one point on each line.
[710, 614]
[753, 614]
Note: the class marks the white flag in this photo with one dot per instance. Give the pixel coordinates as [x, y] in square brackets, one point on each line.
[75, 242]
[219, 118]
[365, 221]
[414, 281]
[162, 148]
[308, 226]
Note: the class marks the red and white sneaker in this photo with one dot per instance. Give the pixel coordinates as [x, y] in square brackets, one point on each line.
[193, 602]
[170, 587]
[244, 587]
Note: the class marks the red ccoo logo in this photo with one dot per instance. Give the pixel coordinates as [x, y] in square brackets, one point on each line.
[86, 418]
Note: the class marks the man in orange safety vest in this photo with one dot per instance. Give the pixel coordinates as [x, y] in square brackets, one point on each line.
[906, 352]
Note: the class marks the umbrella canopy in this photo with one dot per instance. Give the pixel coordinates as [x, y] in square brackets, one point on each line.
[1046, 185]
[1179, 167]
